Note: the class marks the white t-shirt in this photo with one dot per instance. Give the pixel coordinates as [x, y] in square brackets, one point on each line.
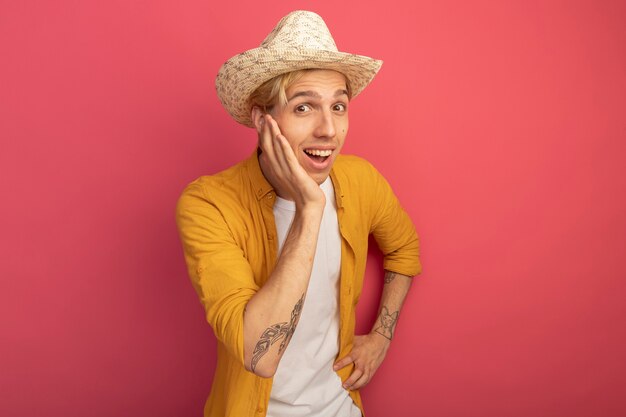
[305, 383]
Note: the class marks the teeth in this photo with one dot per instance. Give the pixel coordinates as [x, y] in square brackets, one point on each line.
[318, 152]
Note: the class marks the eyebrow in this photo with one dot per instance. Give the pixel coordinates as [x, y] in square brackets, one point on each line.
[313, 94]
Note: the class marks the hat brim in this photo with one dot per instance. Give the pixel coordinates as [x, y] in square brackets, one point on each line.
[241, 75]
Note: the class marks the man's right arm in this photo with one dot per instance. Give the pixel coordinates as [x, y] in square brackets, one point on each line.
[272, 314]
[255, 324]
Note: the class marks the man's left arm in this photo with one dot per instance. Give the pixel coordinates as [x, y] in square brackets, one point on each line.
[369, 350]
[395, 235]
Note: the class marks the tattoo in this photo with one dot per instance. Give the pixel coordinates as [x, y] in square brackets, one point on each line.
[389, 276]
[295, 315]
[275, 332]
[268, 338]
[387, 323]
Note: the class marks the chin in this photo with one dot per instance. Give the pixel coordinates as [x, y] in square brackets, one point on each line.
[319, 178]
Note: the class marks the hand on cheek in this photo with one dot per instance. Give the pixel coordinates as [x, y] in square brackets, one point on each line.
[283, 170]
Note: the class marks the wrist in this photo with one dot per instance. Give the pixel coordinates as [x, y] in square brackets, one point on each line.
[311, 209]
[381, 337]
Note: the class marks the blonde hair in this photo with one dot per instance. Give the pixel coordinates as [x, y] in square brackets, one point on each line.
[273, 91]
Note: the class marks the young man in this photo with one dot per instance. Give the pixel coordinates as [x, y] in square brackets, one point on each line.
[276, 246]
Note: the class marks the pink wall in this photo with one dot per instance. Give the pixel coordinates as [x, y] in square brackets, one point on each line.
[501, 125]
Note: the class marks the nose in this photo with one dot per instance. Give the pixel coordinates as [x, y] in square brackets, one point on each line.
[325, 125]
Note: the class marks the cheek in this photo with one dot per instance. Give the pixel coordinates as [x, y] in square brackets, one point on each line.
[342, 125]
[288, 131]
[344, 131]
[292, 139]
[295, 135]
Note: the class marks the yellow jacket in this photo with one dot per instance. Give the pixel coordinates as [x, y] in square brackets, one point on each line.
[227, 228]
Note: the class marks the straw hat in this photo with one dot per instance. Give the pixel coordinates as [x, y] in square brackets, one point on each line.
[301, 40]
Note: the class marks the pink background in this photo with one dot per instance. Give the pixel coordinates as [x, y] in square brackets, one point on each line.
[500, 124]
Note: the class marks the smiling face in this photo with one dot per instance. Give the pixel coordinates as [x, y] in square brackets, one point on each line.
[315, 120]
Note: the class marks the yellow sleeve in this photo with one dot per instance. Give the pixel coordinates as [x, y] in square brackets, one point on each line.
[393, 230]
[219, 272]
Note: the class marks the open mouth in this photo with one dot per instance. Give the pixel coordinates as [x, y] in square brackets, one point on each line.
[318, 155]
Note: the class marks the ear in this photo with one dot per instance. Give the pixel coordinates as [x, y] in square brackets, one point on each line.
[256, 114]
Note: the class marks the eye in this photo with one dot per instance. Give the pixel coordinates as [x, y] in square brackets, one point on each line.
[340, 107]
[302, 108]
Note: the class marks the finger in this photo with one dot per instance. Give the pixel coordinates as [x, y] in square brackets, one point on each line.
[272, 147]
[278, 141]
[275, 141]
[265, 139]
[361, 382]
[342, 363]
[290, 157]
[356, 374]
[273, 126]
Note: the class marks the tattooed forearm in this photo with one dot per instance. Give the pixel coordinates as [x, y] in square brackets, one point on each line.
[389, 276]
[268, 338]
[275, 332]
[295, 315]
[387, 323]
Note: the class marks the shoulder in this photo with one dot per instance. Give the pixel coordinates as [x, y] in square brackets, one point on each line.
[217, 206]
[360, 182]
[353, 170]
[223, 189]
[350, 165]
[222, 184]
[352, 162]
